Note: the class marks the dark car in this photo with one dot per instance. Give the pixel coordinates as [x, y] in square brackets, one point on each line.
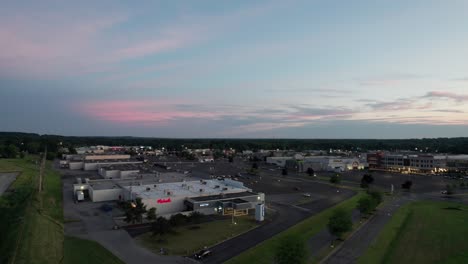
[202, 254]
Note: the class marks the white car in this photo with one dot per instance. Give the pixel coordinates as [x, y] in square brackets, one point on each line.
[306, 194]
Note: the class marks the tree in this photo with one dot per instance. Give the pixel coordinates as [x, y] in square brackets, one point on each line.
[335, 179]
[291, 250]
[450, 189]
[407, 185]
[195, 217]
[340, 222]
[284, 172]
[177, 220]
[134, 211]
[310, 171]
[366, 205]
[377, 196]
[366, 180]
[151, 214]
[140, 210]
[161, 226]
[11, 151]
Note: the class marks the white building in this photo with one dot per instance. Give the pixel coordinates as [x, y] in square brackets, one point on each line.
[278, 161]
[174, 197]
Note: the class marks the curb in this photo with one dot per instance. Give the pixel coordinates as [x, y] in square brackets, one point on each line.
[341, 244]
[350, 235]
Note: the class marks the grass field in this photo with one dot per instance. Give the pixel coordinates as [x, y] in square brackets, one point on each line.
[423, 232]
[79, 251]
[265, 251]
[187, 241]
[31, 223]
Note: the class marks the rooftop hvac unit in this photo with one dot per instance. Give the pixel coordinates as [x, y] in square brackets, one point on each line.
[148, 188]
[204, 183]
[216, 187]
[201, 190]
[225, 189]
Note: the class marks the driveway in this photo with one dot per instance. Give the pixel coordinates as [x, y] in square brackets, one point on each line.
[90, 222]
[287, 216]
[6, 179]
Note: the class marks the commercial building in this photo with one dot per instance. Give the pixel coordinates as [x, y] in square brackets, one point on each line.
[328, 163]
[120, 171]
[411, 163]
[205, 196]
[278, 161]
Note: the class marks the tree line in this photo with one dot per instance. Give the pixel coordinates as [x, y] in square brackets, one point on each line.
[35, 142]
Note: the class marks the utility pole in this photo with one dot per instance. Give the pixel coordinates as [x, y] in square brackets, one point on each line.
[42, 168]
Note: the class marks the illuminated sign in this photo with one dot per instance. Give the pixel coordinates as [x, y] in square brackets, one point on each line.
[204, 204]
[161, 201]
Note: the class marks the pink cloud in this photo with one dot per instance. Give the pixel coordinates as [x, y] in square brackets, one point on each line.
[139, 111]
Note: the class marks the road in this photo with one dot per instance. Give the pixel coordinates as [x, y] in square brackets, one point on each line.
[287, 216]
[5, 180]
[357, 244]
[90, 222]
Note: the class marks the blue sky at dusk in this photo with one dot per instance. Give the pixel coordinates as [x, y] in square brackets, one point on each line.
[269, 69]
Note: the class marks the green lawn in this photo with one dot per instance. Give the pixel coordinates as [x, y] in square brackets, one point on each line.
[79, 251]
[422, 232]
[265, 251]
[31, 224]
[187, 241]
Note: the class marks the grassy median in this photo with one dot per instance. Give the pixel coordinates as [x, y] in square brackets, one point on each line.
[31, 223]
[265, 251]
[187, 240]
[423, 232]
[79, 251]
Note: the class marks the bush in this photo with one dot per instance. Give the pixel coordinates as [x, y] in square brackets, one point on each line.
[151, 214]
[377, 196]
[195, 217]
[335, 179]
[178, 220]
[366, 204]
[291, 249]
[161, 226]
[407, 185]
[340, 222]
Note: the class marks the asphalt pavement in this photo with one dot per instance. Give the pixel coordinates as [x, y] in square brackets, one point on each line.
[287, 216]
[353, 247]
[5, 180]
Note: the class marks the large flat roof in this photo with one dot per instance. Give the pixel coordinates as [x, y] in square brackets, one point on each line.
[186, 189]
[235, 196]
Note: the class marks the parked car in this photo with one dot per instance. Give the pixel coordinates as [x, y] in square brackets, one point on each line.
[306, 194]
[202, 254]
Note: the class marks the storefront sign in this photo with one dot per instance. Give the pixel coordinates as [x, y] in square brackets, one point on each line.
[161, 201]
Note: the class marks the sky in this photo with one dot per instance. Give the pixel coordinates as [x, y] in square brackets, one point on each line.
[235, 69]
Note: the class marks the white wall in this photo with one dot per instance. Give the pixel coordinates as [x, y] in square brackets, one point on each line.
[176, 205]
[105, 195]
[76, 165]
[114, 174]
[127, 174]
